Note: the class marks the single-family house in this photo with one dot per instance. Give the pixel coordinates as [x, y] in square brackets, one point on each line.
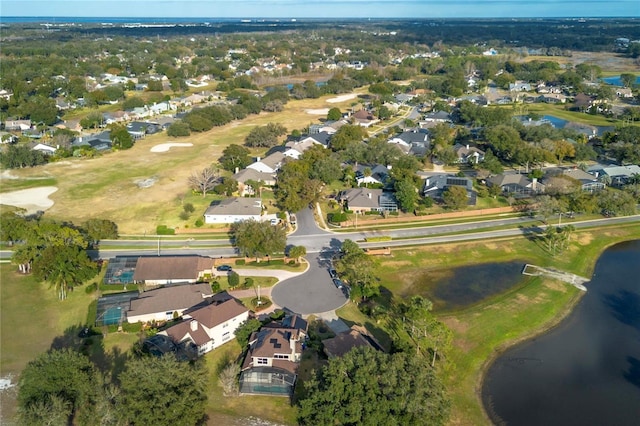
[519, 86]
[362, 200]
[415, 142]
[6, 137]
[344, 342]
[139, 129]
[234, 209]
[208, 325]
[244, 175]
[270, 164]
[624, 92]
[364, 118]
[516, 184]
[165, 303]
[552, 98]
[376, 174]
[435, 185]
[17, 125]
[160, 270]
[44, 148]
[271, 364]
[468, 154]
[99, 141]
[615, 175]
[588, 182]
[438, 117]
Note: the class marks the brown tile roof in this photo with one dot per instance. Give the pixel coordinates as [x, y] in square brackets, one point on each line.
[270, 342]
[171, 267]
[216, 314]
[170, 298]
[341, 344]
[179, 331]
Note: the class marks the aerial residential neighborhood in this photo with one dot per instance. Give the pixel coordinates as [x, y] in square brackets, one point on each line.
[317, 222]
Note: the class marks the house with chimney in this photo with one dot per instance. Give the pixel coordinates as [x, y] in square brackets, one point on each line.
[271, 364]
[208, 325]
[361, 200]
[467, 154]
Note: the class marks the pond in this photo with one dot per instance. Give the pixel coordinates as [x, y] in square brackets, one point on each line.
[468, 285]
[587, 370]
[560, 123]
[616, 81]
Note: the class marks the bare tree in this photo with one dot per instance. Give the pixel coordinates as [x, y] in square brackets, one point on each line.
[204, 180]
[229, 379]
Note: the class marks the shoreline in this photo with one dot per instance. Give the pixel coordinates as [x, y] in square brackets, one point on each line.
[556, 322]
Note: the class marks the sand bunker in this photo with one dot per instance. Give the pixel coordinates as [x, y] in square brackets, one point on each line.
[164, 147]
[342, 98]
[32, 200]
[321, 111]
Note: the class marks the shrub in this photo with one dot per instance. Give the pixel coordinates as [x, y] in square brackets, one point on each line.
[184, 215]
[188, 207]
[215, 286]
[234, 279]
[248, 282]
[199, 223]
[91, 288]
[164, 230]
[132, 328]
[337, 217]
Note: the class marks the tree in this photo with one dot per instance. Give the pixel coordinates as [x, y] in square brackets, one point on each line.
[100, 229]
[297, 252]
[64, 266]
[294, 189]
[227, 186]
[235, 157]
[455, 197]
[371, 387]
[406, 194]
[19, 156]
[120, 137]
[347, 135]
[162, 390]
[547, 206]
[357, 268]
[60, 382]
[628, 79]
[265, 136]
[244, 331]
[229, 379]
[179, 128]
[253, 238]
[334, 114]
[204, 180]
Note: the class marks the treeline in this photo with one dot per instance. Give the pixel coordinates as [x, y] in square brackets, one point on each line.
[63, 387]
[53, 251]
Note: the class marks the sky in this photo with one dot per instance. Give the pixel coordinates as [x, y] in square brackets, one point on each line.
[321, 8]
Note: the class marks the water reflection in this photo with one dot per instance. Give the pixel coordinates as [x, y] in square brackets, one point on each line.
[587, 370]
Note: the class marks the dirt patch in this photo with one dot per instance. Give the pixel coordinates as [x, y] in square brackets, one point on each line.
[584, 239]
[396, 263]
[32, 199]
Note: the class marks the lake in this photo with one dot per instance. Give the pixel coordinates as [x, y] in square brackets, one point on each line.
[616, 81]
[587, 370]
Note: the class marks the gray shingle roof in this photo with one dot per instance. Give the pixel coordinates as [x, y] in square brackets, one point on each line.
[236, 206]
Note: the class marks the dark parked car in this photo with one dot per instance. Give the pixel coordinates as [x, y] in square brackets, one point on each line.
[333, 273]
[224, 268]
[337, 283]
